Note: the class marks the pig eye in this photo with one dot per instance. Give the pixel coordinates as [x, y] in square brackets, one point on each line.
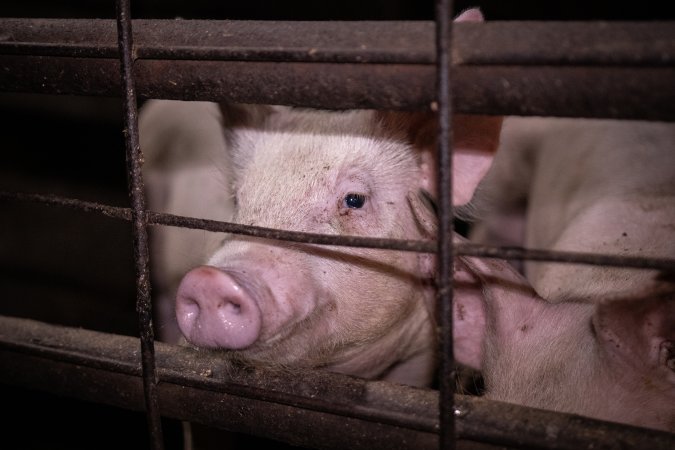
[354, 201]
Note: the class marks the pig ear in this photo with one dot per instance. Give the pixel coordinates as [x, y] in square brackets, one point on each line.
[475, 141]
[470, 15]
[641, 333]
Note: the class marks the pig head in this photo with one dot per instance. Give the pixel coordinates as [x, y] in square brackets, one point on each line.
[358, 311]
[592, 340]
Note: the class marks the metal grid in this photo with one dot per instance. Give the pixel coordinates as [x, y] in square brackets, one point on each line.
[635, 102]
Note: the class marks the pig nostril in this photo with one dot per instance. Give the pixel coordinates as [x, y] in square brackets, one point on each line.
[234, 308]
[190, 308]
[228, 306]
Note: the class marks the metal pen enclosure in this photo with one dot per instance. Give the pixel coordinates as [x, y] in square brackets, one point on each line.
[398, 70]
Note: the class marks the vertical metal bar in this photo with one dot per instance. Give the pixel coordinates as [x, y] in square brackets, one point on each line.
[139, 224]
[445, 251]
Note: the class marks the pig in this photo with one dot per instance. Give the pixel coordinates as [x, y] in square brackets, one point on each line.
[366, 312]
[591, 340]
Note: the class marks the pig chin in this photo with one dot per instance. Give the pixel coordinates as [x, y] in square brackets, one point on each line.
[287, 347]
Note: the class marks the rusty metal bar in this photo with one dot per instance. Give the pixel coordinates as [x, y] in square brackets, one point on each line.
[400, 42]
[462, 249]
[622, 93]
[444, 251]
[139, 224]
[589, 83]
[305, 408]
[610, 92]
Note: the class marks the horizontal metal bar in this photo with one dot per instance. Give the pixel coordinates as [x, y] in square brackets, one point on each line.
[622, 93]
[461, 249]
[331, 410]
[399, 42]
[589, 83]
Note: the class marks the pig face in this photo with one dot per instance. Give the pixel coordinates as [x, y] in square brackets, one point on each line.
[358, 311]
[349, 310]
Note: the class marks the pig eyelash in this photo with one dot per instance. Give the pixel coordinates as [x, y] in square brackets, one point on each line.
[354, 200]
[428, 201]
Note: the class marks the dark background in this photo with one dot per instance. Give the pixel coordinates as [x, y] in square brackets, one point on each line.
[73, 268]
[343, 10]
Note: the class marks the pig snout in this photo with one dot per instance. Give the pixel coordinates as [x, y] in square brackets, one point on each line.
[214, 310]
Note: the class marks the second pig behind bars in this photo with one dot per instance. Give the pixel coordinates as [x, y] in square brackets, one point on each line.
[603, 342]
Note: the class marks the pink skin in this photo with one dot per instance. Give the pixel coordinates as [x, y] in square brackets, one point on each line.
[364, 312]
[612, 361]
[601, 344]
[216, 311]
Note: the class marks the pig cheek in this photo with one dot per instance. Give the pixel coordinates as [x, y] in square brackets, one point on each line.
[370, 301]
[297, 299]
[281, 274]
[295, 296]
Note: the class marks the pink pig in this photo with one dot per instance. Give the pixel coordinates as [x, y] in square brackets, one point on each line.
[601, 344]
[358, 311]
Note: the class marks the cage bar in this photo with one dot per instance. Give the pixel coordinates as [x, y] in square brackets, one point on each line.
[444, 251]
[510, 68]
[342, 411]
[139, 224]
[397, 42]
[461, 249]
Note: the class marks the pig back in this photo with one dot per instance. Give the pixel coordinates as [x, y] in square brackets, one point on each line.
[597, 186]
